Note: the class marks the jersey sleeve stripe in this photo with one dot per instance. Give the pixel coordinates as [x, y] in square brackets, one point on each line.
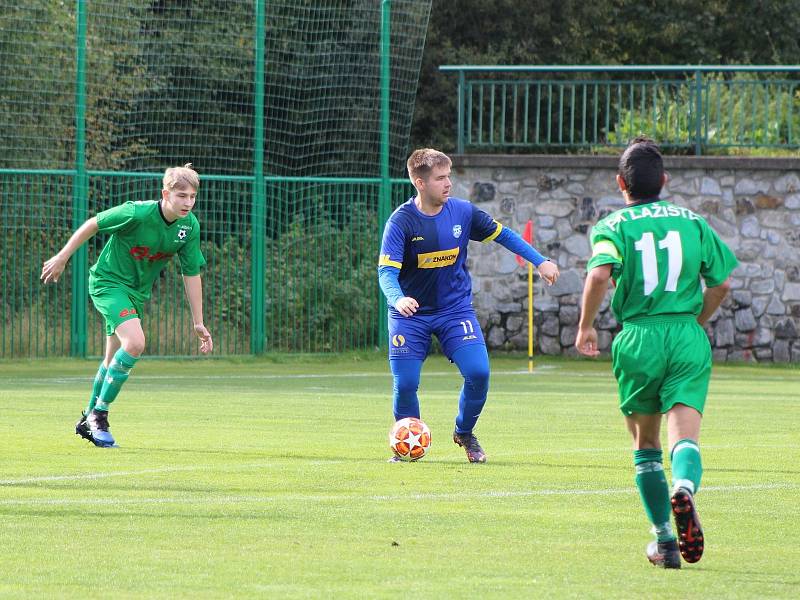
[608, 248]
[386, 261]
[495, 234]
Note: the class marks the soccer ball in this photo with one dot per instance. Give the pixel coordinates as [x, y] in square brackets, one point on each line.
[410, 439]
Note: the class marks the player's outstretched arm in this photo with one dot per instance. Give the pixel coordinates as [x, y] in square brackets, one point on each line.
[54, 266]
[712, 298]
[512, 241]
[193, 286]
[593, 293]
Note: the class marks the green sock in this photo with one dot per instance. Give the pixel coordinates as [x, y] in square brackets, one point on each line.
[118, 372]
[654, 491]
[687, 466]
[96, 387]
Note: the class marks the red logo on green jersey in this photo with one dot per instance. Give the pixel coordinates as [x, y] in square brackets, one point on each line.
[127, 311]
[143, 252]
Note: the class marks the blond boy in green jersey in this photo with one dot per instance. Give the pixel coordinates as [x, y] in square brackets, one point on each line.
[144, 237]
[657, 253]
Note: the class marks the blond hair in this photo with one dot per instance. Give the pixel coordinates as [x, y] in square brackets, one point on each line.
[422, 162]
[181, 177]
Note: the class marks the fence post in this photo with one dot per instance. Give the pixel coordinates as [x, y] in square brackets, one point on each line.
[385, 201]
[698, 108]
[461, 101]
[258, 212]
[80, 193]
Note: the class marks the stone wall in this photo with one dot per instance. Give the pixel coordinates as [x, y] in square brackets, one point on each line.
[754, 204]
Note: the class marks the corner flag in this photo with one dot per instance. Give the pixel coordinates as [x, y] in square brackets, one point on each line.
[527, 235]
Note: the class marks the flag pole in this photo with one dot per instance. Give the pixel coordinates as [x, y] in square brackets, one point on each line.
[528, 237]
[530, 318]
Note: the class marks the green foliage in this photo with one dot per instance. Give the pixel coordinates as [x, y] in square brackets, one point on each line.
[321, 281]
[226, 282]
[741, 110]
[37, 88]
[670, 121]
[569, 32]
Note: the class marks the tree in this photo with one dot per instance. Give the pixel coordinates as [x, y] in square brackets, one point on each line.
[616, 32]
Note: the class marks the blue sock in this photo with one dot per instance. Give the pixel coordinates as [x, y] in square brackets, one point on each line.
[406, 382]
[473, 362]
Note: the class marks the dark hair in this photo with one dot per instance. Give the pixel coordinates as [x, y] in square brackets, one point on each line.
[642, 169]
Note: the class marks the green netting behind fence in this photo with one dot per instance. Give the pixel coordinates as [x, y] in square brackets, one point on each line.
[35, 216]
[37, 85]
[318, 126]
[168, 82]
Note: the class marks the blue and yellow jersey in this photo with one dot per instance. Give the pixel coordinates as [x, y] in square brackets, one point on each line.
[431, 252]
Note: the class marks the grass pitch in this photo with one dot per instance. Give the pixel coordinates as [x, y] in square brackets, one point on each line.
[247, 478]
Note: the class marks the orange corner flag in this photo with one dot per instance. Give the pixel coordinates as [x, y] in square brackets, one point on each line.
[527, 235]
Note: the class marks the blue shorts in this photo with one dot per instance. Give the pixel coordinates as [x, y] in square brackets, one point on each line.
[410, 337]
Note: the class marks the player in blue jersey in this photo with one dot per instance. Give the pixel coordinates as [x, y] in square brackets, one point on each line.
[422, 272]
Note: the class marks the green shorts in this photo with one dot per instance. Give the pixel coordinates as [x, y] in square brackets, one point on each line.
[116, 306]
[661, 361]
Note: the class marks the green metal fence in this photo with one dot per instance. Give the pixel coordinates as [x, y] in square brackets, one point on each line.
[318, 275]
[284, 108]
[697, 109]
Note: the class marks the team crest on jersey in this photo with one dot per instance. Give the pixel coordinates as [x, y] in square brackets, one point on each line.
[456, 231]
[183, 231]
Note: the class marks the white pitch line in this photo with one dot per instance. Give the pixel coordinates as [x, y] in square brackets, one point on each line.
[106, 475]
[233, 499]
[575, 492]
[232, 468]
[387, 374]
[722, 377]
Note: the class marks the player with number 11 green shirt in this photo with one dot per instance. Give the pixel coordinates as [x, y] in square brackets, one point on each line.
[144, 237]
[657, 254]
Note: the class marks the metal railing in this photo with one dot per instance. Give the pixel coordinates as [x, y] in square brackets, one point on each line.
[687, 108]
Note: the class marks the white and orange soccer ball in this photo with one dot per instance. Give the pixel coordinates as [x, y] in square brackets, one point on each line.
[410, 439]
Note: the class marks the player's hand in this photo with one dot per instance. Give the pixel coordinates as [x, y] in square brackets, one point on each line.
[548, 271]
[52, 269]
[407, 306]
[586, 342]
[206, 343]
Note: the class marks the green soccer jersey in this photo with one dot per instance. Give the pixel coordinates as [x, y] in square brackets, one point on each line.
[141, 243]
[659, 252]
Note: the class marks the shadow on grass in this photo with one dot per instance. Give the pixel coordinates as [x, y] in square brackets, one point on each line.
[253, 513]
[750, 576]
[759, 471]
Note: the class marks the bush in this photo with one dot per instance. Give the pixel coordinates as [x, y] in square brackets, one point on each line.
[742, 110]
